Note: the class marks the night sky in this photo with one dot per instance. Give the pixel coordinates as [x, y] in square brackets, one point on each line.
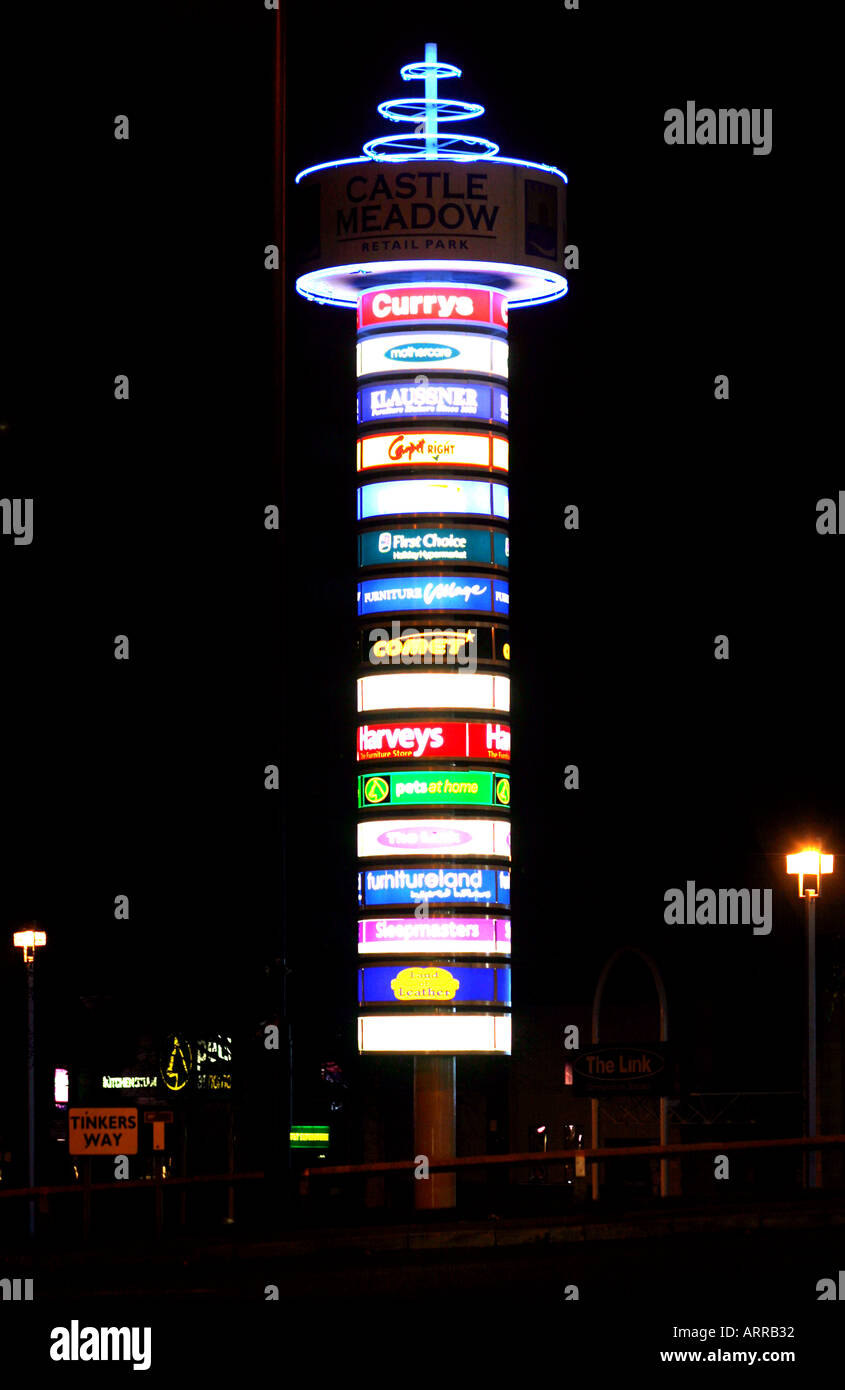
[697, 518]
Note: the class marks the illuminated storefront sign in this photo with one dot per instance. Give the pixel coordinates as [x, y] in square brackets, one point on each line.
[129, 1083]
[452, 739]
[401, 645]
[309, 1137]
[432, 545]
[205, 1064]
[468, 593]
[433, 690]
[432, 449]
[469, 788]
[449, 1033]
[434, 984]
[397, 887]
[434, 935]
[479, 838]
[177, 1060]
[437, 397]
[432, 304]
[446, 352]
[433, 496]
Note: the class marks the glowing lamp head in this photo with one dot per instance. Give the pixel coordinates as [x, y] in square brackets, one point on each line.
[28, 940]
[810, 863]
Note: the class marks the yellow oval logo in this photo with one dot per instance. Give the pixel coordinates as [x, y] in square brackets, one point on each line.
[431, 984]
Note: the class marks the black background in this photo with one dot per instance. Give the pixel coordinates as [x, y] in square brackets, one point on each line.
[697, 518]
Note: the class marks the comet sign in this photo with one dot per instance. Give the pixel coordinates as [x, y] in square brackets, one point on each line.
[103, 1131]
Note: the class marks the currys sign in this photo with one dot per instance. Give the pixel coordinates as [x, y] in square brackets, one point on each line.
[402, 887]
[480, 838]
[453, 304]
[434, 935]
[437, 398]
[469, 593]
[447, 352]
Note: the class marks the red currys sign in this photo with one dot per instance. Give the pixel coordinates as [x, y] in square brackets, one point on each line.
[432, 304]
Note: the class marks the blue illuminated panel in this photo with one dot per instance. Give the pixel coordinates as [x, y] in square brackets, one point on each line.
[434, 984]
[386, 887]
[440, 398]
[464, 593]
[447, 496]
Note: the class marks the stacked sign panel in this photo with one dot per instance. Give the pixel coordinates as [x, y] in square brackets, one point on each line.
[433, 739]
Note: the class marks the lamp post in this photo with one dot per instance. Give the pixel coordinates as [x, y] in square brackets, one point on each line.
[810, 864]
[29, 940]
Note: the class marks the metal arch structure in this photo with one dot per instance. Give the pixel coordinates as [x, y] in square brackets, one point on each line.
[664, 1037]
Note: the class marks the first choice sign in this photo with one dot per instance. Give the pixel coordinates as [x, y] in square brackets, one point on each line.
[103, 1131]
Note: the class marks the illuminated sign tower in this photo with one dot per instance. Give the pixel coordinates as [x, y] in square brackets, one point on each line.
[433, 237]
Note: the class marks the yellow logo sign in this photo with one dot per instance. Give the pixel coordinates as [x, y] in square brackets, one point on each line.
[376, 790]
[441, 644]
[433, 984]
[503, 791]
[180, 1059]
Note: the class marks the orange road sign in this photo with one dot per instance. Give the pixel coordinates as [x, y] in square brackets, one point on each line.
[106, 1130]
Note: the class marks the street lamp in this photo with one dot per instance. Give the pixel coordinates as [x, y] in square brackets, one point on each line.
[29, 940]
[810, 863]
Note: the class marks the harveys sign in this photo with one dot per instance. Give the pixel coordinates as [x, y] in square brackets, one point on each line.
[443, 211]
[451, 739]
[452, 304]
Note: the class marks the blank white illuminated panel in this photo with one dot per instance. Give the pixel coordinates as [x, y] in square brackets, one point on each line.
[450, 1033]
[426, 690]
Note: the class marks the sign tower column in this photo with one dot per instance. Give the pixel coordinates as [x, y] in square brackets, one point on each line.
[432, 237]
